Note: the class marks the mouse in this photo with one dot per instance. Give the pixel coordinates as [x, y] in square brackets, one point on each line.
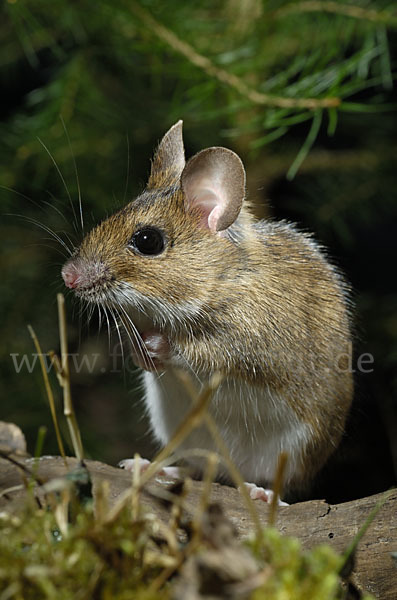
[199, 284]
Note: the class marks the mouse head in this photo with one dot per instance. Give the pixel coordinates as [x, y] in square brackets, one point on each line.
[170, 245]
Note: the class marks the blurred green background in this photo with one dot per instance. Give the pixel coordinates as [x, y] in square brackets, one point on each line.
[303, 91]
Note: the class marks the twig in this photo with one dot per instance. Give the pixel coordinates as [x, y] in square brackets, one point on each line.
[15, 488]
[223, 76]
[25, 470]
[348, 10]
[50, 395]
[68, 409]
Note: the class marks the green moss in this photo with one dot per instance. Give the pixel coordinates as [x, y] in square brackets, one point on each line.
[119, 560]
[295, 574]
[91, 560]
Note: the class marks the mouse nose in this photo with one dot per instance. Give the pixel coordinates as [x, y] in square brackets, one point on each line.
[70, 276]
[83, 275]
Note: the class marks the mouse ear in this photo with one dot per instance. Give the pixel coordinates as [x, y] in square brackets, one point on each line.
[214, 182]
[169, 159]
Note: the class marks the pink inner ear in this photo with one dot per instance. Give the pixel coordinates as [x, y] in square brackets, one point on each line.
[211, 204]
[213, 182]
[213, 218]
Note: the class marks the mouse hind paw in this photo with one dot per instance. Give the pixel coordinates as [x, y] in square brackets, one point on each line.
[130, 464]
[260, 493]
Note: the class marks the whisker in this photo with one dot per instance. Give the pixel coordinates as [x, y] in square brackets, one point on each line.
[89, 309]
[61, 176]
[139, 305]
[130, 329]
[139, 342]
[8, 189]
[80, 318]
[108, 325]
[128, 168]
[99, 316]
[54, 207]
[64, 256]
[77, 175]
[82, 308]
[189, 366]
[65, 233]
[45, 228]
[34, 202]
[118, 334]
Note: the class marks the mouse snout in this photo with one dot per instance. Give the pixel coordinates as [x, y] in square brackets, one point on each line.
[70, 275]
[81, 275]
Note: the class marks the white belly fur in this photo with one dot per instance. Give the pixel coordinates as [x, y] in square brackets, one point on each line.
[255, 423]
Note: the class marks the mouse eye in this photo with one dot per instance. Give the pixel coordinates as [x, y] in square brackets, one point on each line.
[148, 241]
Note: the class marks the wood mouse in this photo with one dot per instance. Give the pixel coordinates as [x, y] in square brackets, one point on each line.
[199, 284]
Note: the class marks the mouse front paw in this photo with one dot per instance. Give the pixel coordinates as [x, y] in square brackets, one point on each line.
[153, 351]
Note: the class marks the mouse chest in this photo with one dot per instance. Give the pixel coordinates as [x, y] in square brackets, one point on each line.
[255, 423]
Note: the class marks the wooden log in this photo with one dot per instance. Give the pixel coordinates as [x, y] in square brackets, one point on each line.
[314, 522]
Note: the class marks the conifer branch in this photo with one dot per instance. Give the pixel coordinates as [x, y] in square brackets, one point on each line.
[223, 76]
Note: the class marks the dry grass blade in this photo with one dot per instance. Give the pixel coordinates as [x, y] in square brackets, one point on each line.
[209, 476]
[50, 395]
[65, 381]
[136, 475]
[277, 486]
[192, 420]
[225, 454]
[234, 472]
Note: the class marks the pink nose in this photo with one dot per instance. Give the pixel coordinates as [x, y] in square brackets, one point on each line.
[70, 276]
